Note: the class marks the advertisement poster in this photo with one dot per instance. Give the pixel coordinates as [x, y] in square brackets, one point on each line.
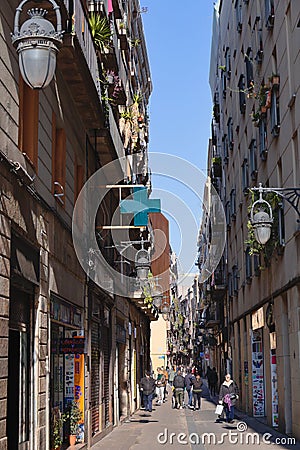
[258, 390]
[274, 388]
[69, 379]
[79, 390]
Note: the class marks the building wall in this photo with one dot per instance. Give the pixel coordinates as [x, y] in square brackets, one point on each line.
[30, 214]
[160, 264]
[277, 283]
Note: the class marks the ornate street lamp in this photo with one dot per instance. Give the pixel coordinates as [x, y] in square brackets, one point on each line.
[142, 264]
[262, 220]
[37, 44]
[165, 307]
[157, 295]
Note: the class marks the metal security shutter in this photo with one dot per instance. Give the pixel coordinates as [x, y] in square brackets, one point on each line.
[106, 355]
[95, 376]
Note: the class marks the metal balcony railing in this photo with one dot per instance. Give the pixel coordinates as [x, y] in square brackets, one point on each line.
[79, 26]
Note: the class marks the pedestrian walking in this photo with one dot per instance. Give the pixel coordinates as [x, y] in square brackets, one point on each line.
[147, 386]
[213, 382]
[208, 377]
[228, 396]
[197, 391]
[160, 386]
[166, 374]
[172, 374]
[188, 385]
[179, 389]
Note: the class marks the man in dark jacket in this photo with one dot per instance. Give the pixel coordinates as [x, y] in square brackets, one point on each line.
[228, 396]
[197, 390]
[188, 385]
[178, 384]
[147, 386]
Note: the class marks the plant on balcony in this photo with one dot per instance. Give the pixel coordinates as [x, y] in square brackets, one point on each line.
[266, 250]
[101, 31]
[135, 42]
[255, 117]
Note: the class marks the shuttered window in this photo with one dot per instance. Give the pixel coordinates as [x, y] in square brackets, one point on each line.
[28, 122]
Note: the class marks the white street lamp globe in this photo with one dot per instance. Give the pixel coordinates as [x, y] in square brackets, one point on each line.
[165, 309]
[262, 224]
[37, 45]
[157, 296]
[142, 264]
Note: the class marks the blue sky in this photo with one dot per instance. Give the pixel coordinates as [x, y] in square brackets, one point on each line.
[178, 36]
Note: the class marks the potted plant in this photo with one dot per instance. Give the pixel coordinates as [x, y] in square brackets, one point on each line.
[101, 31]
[56, 429]
[255, 116]
[217, 166]
[73, 416]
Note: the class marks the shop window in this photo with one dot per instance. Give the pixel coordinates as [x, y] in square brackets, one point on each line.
[58, 162]
[28, 122]
[253, 160]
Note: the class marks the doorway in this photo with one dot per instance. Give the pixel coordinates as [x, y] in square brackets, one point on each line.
[18, 400]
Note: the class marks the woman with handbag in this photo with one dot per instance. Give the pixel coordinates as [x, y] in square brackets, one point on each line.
[228, 396]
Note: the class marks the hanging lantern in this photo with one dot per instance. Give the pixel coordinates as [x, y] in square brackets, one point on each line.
[37, 45]
[142, 264]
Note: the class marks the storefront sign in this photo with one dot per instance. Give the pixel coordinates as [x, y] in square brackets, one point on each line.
[72, 345]
[69, 379]
[79, 382]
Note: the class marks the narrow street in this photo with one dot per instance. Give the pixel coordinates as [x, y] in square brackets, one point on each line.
[166, 427]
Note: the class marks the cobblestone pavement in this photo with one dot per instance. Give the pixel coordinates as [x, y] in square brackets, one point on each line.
[167, 428]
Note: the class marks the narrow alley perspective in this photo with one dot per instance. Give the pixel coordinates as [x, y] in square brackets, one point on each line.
[149, 224]
[167, 427]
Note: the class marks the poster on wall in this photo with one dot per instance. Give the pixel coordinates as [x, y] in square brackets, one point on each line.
[79, 391]
[258, 389]
[274, 389]
[69, 379]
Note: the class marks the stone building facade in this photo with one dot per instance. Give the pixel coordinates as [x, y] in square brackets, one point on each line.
[64, 337]
[255, 80]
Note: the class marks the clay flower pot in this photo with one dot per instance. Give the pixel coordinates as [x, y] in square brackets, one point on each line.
[72, 439]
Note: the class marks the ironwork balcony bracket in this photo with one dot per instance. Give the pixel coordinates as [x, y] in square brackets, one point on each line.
[291, 195]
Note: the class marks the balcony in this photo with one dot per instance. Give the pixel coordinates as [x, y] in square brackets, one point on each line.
[78, 64]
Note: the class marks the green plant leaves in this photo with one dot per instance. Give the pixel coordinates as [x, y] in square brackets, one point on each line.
[101, 31]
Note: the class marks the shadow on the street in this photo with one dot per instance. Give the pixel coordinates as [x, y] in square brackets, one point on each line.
[143, 421]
